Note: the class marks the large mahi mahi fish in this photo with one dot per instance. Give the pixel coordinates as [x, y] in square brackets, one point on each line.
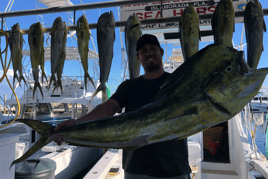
[209, 88]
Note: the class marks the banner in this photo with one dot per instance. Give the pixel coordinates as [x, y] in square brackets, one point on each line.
[173, 9]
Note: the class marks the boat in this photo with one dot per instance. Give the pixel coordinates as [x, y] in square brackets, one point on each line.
[52, 109]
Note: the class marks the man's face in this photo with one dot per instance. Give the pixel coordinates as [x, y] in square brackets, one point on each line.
[150, 56]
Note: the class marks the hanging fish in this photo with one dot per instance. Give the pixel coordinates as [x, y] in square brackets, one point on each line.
[58, 54]
[189, 32]
[36, 39]
[254, 27]
[223, 23]
[132, 35]
[105, 39]
[83, 37]
[16, 47]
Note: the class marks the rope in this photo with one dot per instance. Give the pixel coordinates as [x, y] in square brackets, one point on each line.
[5, 69]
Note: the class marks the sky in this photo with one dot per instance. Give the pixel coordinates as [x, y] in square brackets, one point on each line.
[74, 68]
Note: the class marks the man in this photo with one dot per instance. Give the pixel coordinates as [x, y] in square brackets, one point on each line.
[167, 159]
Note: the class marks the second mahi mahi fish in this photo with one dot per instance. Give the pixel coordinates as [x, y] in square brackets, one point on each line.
[254, 26]
[36, 43]
[58, 53]
[189, 32]
[132, 34]
[83, 37]
[105, 38]
[223, 23]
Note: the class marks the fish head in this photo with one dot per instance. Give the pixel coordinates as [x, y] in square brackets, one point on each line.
[132, 21]
[36, 29]
[189, 10]
[57, 24]
[111, 20]
[232, 87]
[15, 27]
[82, 22]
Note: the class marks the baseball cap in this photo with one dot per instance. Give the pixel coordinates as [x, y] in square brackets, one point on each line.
[147, 39]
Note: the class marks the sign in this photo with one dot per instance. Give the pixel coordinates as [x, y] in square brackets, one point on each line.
[173, 9]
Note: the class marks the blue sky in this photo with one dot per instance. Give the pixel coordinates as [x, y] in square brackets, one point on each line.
[72, 68]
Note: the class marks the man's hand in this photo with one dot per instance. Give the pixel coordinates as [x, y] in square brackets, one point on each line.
[58, 138]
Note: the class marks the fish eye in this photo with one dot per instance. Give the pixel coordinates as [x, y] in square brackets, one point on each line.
[229, 69]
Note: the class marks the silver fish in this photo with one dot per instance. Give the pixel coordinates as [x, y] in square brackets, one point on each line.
[105, 38]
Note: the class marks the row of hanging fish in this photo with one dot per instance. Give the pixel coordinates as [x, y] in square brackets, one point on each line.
[105, 38]
[223, 26]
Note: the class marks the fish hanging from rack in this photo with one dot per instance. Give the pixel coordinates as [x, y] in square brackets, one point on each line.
[254, 27]
[36, 43]
[132, 35]
[105, 39]
[83, 37]
[58, 52]
[223, 24]
[189, 32]
[16, 47]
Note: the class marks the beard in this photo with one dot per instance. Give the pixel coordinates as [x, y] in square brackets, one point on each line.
[152, 67]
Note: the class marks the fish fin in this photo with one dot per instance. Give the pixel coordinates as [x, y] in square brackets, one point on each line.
[60, 85]
[234, 26]
[37, 146]
[44, 75]
[43, 129]
[22, 78]
[213, 24]
[100, 88]
[37, 125]
[14, 78]
[264, 26]
[55, 87]
[91, 80]
[37, 84]
[199, 34]
[85, 81]
[53, 78]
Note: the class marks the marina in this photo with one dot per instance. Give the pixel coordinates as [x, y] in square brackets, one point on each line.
[234, 149]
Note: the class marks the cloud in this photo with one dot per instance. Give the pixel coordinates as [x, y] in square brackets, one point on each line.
[10, 73]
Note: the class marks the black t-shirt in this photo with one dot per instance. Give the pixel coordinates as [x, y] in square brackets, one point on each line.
[163, 159]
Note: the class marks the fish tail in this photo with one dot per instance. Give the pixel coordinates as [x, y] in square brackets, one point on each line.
[43, 129]
[55, 87]
[37, 84]
[22, 78]
[53, 78]
[87, 75]
[43, 75]
[14, 78]
[104, 92]
[85, 81]
[101, 87]
[60, 85]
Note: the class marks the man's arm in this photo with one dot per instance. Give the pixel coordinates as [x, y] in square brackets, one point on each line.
[106, 109]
